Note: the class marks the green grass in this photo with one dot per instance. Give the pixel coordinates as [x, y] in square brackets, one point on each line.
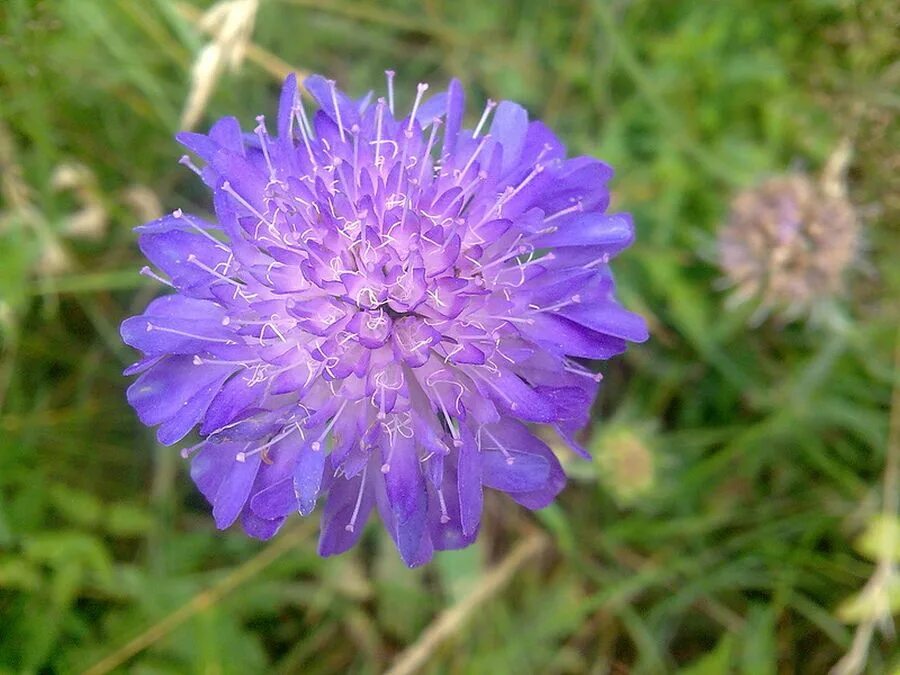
[768, 443]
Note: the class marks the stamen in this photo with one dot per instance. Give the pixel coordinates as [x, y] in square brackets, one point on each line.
[454, 434]
[226, 186]
[379, 119]
[574, 300]
[206, 268]
[355, 131]
[147, 272]
[490, 105]
[421, 88]
[577, 369]
[262, 135]
[386, 467]
[475, 154]
[316, 445]
[362, 486]
[509, 194]
[337, 110]
[299, 111]
[193, 336]
[390, 89]
[602, 260]
[242, 456]
[435, 123]
[445, 517]
[509, 458]
[186, 161]
[577, 206]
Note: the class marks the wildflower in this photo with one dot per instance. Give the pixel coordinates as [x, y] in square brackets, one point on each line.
[787, 244]
[626, 462]
[378, 312]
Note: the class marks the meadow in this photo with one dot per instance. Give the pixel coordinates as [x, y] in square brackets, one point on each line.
[740, 511]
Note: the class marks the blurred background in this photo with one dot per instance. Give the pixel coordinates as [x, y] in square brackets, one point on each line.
[739, 515]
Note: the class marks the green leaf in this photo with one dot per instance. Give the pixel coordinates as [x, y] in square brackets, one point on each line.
[882, 531]
[127, 520]
[873, 603]
[77, 506]
[716, 662]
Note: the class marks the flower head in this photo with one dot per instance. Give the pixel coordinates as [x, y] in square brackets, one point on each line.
[788, 243]
[381, 307]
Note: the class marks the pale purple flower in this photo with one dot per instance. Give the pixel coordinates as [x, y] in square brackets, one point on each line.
[379, 311]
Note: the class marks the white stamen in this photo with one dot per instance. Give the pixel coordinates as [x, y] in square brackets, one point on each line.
[487, 111]
[390, 89]
[337, 110]
[421, 88]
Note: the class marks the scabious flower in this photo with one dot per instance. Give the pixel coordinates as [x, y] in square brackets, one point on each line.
[379, 310]
[788, 243]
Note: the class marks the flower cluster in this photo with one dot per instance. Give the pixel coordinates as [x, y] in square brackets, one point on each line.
[787, 244]
[380, 308]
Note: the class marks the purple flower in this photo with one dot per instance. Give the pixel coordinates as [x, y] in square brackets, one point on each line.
[380, 309]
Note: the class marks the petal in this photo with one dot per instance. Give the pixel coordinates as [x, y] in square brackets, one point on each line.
[234, 490]
[509, 126]
[446, 531]
[609, 318]
[235, 397]
[260, 528]
[308, 477]
[189, 415]
[456, 108]
[325, 93]
[469, 489]
[509, 392]
[514, 435]
[167, 387]
[346, 511]
[275, 501]
[612, 232]
[286, 103]
[516, 472]
[209, 466]
[227, 133]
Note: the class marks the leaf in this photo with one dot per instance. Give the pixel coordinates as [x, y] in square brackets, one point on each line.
[758, 653]
[19, 574]
[881, 531]
[872, 603]
[716, 662]
[460, 570]
[127, 520]
[76, 506]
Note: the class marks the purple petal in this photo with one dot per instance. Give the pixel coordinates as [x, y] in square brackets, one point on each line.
[509, 127]
[609, 318]
[324, 93]
[517, 472]
[260, 528]
[612, 232]
[456, 105]
[276, 501]
[469, 489]
[167, 387]
[308, 477]
[234, 490]
[289, 93]
[346, 511]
